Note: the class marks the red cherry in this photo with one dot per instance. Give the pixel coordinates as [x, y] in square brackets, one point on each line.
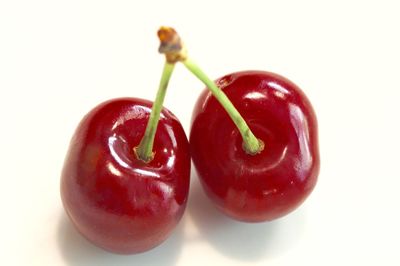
[115, 200]
[272, 183]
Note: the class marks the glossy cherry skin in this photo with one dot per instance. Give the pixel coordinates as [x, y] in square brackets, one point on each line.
[268, 185]
[116, 201]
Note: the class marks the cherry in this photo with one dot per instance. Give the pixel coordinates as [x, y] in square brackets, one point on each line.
[125, 185]
[253, 140]
[273, 182]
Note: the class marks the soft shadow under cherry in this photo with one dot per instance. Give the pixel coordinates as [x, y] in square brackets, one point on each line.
[239, 240]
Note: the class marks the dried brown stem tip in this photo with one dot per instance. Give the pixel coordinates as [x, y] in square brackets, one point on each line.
[171, 45]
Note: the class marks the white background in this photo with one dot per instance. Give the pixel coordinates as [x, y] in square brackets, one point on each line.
[58, 59]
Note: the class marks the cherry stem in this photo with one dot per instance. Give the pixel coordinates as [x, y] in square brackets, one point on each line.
[175, 51]
[251, 144]
[144, 151]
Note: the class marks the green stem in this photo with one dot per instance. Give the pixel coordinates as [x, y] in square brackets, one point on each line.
[251, 144]
[144, 151]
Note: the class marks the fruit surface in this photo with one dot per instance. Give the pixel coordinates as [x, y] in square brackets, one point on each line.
[116, 201]
[270, 184]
